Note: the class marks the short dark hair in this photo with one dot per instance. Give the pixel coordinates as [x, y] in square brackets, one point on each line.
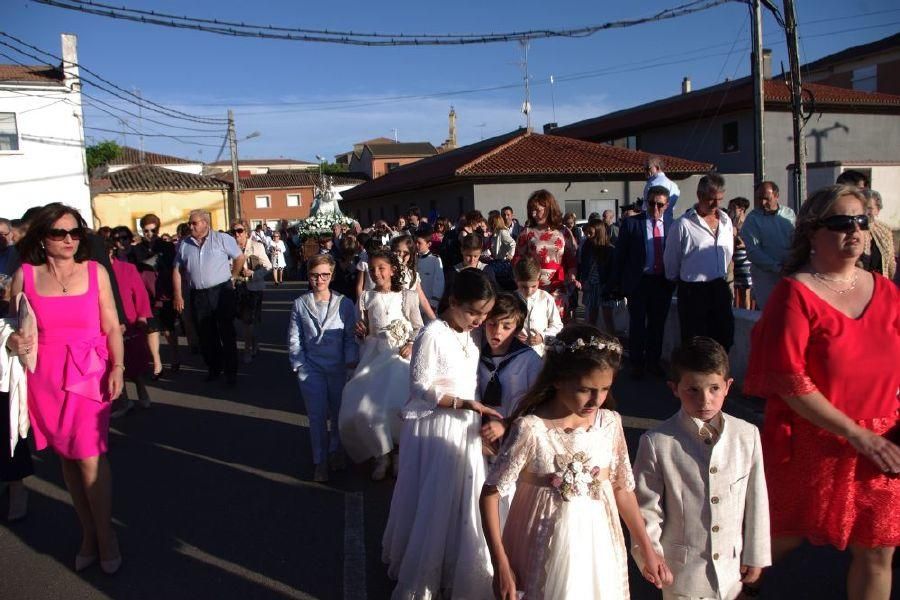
[413, 211]
[31, 247]
[471, 285]
[771, 184]
[700, 354]
[424, 232]
[124, 231]
[149, 219]
[509, 306]
[852, 177]
[658, 190]
[740, 202]
[473, 241]
[391, 259]
[527, 269]
[509, 208]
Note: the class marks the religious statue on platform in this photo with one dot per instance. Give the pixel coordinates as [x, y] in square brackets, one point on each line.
[326, 198]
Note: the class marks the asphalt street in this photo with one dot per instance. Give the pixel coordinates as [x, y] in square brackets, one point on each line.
[213, 498]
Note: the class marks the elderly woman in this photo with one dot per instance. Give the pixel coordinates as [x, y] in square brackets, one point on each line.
[79, 368]
[250, 285]
[878, 255]
[550, 243]
[831, 466]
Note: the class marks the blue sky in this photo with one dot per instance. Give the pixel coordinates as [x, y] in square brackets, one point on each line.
[307, 99]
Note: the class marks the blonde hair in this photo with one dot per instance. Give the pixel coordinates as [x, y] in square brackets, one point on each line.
[318, 260]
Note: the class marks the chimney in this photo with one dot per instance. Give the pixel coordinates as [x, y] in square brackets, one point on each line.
[767, 63]
[70, 61]
[549, 127]
[686, 85]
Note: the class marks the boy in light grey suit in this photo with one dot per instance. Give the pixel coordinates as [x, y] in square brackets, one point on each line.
[701, 486]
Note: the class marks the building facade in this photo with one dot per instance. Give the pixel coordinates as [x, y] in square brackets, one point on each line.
[42, 155]
[377, 160]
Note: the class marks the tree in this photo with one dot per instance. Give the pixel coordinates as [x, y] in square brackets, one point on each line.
[334, 168]
[100, 154]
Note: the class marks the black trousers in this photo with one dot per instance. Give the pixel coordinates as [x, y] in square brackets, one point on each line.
[648, 307]
[19, 465]
[213, 311]
[704, 308]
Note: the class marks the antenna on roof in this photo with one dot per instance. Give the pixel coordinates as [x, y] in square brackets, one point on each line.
[526, 105]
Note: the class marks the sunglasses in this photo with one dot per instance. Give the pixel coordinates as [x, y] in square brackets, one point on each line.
[149, 229]
[845, 223]
[58, 235]
[657, 204]
[237, 230]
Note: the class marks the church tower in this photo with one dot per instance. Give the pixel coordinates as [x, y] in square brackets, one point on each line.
[450, 142]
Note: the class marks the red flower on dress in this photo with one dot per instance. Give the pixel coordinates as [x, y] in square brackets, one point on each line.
[547, 236]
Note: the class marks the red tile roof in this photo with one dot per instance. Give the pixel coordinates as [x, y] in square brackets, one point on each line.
[288, 178]
[29, 74]
[149, 178]
[722, 99]
[246, 162]
[132, 156]
[519, 154]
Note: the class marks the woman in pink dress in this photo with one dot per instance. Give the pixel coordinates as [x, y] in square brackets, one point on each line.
[551, 244]
[136, 306]
[79, 368]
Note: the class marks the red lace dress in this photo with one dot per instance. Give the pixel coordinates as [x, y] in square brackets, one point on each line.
[555, 252]
[820, 488]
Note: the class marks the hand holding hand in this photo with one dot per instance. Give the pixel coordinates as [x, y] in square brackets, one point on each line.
[361, 329]
[655, 570]
[535, 339]
[481, 409]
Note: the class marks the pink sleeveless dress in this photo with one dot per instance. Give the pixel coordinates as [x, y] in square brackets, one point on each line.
[68, 397]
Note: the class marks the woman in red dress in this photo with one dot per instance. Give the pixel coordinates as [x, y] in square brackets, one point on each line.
[824, 355]
[551, 244]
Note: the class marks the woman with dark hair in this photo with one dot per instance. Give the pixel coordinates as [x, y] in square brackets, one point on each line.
[433, 542]
[830, 431]
[80, 365]
[550, 243]
[596, 259]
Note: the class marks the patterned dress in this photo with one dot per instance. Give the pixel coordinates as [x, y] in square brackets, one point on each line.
[564, 549]
[555, 252]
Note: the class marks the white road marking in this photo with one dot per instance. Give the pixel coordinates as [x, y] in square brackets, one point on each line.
[236, 569]
[354, 548]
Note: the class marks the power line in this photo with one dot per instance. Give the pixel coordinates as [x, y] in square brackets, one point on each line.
[240, 29]
[169, 112]
[171, 137]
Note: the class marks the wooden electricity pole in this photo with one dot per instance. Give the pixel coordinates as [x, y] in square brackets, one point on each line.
[799, 175]
[759, 97]
[235, 176]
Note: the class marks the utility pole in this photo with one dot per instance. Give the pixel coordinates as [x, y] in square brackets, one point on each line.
[235, 176]
[137, 93]
[526, 105]
[799, 182]
[759, 97]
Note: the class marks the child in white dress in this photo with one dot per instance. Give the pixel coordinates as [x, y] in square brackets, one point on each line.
[369, 420]
[404, 247]
[568, 459]
[433, 543]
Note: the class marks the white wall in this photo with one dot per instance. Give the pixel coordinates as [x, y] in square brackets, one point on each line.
[192, 168]
[50, 163]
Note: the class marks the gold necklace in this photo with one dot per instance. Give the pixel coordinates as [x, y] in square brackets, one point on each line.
[65, 287]
[463, 345]
[852, 280]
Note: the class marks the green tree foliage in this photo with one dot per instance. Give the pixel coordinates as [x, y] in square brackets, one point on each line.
[102, 153]
[334, 168]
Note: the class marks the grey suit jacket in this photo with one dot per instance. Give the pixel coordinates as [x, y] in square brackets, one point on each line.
[706, 506]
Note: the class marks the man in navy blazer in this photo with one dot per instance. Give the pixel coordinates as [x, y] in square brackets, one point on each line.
[639, 272]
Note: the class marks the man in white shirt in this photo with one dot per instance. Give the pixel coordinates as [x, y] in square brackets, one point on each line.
[655, 176]
[698, 250]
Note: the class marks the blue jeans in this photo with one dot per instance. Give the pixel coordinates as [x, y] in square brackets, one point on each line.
[321, 393]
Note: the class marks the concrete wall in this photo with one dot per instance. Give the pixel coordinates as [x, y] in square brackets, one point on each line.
[49, 165]
[172, 208]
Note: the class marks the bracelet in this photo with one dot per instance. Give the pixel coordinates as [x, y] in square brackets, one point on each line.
[119, 366]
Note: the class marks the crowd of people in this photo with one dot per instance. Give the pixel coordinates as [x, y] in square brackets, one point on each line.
[455, 358]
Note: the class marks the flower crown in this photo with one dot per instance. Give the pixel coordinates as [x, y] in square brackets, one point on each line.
[558, 346]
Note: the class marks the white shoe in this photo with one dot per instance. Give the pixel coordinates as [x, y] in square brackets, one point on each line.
[126, 406]
[382, 464]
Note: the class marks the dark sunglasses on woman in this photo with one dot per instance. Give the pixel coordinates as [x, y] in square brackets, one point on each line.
[237, 230]
[58, 235]
[845, 223]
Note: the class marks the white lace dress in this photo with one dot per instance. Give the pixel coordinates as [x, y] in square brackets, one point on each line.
[433, 543]
[562, 549]
[370, 421]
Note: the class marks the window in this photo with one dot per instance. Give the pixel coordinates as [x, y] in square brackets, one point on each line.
[254, 223]
[293, 199]
[9, 133]
[575, 206]
[388, 167]
[730, 142]
[263, 201]
[866, 79]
